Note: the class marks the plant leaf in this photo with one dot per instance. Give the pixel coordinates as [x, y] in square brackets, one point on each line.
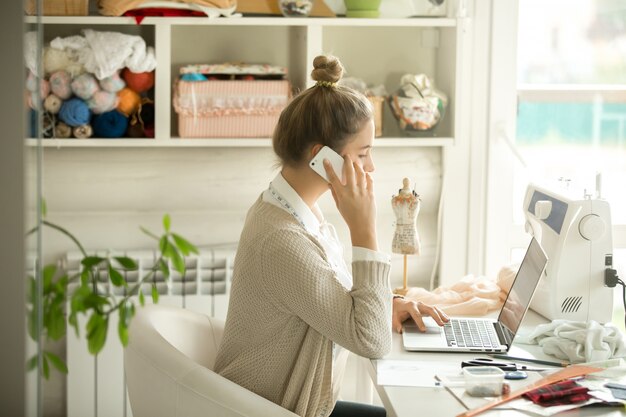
[142, 301]
[177, 260]
[96, 333]
[163, 244]
[149, 233]
[116, 278]
[84, 277]
[184, 245]
[155, 294]
[166, 222]
[73, 321]
[90, 261]
[56, 362]
[48, 273]
[124, 321]
[55, 322]
[126, 262]
[31, 363]
[165, 269]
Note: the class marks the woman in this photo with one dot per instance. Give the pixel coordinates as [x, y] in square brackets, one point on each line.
[295, 308]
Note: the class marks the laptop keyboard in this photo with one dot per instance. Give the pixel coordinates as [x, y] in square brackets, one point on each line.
[470, 333]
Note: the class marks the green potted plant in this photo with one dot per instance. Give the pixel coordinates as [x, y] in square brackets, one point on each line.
[362, 8]
[61, 307]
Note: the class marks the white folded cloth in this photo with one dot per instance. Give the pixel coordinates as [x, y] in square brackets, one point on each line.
[577, 341]
[104, 53]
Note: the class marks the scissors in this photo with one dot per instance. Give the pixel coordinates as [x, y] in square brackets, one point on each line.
[505, 366]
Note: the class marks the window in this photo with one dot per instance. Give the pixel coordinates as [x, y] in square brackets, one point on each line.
[570, 116]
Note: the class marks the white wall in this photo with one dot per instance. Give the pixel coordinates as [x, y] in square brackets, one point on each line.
[104, 195]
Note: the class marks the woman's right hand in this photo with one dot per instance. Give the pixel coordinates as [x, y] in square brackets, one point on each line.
[355, 201]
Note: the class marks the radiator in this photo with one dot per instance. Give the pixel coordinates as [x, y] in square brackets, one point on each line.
[96, 384]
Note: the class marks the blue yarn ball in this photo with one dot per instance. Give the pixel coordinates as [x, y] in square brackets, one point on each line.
[111, 124]
[75, 112]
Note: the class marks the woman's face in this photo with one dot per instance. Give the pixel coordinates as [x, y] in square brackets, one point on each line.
[359, 147]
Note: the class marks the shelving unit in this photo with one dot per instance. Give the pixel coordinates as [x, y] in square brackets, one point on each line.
[103, 186]
[388, 49]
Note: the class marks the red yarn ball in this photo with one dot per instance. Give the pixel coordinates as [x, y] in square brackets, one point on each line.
[138, 81]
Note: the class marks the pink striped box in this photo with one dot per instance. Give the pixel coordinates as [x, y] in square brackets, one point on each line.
[229, 108]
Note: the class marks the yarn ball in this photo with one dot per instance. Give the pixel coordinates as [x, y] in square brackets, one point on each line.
[147, 113]
[59, 60]
[85, 86]
[31, 85]
[111, 124]
[135, 130]
[60, 84]
[112, 84]
[82, 132]
[129, 101]
[62, 131]
[102, 102]
[74, 112]
[148, 130]
[138, 81]
[52, 104]
[193, 77]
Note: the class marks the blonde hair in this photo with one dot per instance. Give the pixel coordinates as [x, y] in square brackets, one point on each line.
[326, 113]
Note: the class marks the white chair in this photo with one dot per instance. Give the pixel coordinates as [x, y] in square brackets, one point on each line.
[169, 361]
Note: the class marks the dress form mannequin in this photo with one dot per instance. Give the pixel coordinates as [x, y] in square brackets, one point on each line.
[406, 207]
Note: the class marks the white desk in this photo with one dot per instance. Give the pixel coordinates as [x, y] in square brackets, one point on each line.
[413, 401]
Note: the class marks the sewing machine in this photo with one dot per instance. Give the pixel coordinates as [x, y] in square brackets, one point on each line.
[576, 235]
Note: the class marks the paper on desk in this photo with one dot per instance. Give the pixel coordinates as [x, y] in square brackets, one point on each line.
[410, 373]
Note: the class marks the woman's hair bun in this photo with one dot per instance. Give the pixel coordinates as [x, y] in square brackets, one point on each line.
[326, 68]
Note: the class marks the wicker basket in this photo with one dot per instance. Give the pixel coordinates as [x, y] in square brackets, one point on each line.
[377, 103]
[59, 7]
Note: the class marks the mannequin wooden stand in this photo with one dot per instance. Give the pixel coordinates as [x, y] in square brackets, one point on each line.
[402, 291]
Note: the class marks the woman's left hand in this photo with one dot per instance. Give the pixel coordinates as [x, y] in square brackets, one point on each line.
[404, 309]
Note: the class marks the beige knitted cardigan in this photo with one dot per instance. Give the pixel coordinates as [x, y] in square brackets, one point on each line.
[287, 307]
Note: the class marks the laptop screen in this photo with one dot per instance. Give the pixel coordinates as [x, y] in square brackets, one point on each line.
[523, 288]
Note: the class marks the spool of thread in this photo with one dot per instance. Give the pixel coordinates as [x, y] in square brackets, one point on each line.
[129, 101]
[111, 124]
[62, 131]
[82, 132]
[112, 84]
[48, 125]
[60, 84]
[84, 86]
[74, 112]
[138, 81]
[52, 104]
[102, 102]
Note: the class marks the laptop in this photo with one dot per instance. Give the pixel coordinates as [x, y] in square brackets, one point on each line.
[465, 334]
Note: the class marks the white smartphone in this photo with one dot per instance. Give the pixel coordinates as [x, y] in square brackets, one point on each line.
[336, 160]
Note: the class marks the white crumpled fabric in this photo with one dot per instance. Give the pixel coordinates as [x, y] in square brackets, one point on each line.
[105, 53]
[577, 341]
